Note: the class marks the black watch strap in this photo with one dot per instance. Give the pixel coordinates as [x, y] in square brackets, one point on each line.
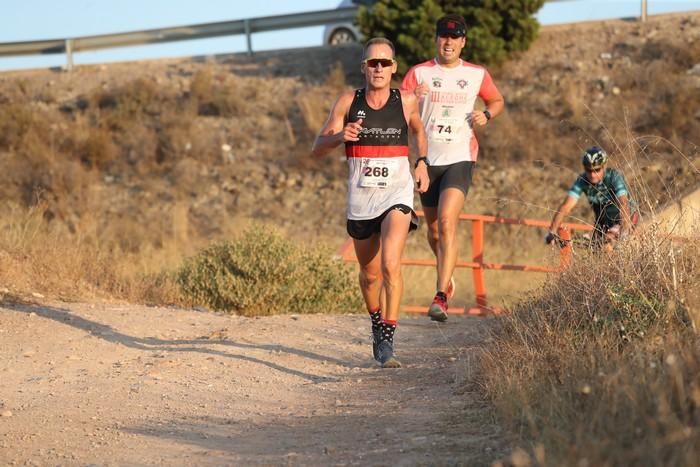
[424, 159]
[487, 114]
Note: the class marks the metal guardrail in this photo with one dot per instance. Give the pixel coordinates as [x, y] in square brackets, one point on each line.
[191, 32]
[179, 33]
[478, 265]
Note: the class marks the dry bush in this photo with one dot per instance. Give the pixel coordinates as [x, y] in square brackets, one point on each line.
[135, 99]
[602, 366]
[668, 109]
[98, 149]
[19, 122]
[223, 96]
[201, 87]
[574, 99]
[313, 114]
[178, 138]
[139, 145]
[677, 57]
[336, 79]
[261, 273]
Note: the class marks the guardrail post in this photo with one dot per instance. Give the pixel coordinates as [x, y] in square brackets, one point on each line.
[249, 41]
[69, 54]
[565, 237]
[643, 13]
[478, 258]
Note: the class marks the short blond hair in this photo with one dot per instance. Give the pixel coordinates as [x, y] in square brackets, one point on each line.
[379, 41]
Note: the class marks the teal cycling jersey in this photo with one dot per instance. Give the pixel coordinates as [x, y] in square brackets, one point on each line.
[604, 196]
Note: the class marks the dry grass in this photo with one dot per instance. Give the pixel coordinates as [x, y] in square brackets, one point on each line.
[601, 366]
[44, 259]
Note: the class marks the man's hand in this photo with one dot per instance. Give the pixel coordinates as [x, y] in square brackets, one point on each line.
[421, 90]
[422, 179]
[549, 238]
[478, 117]
[352, 130]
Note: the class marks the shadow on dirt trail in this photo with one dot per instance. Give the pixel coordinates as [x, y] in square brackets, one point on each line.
[109, 334]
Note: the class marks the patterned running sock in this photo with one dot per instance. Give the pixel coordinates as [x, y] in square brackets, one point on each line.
[376, 316]
[388, 327]
[442, 295]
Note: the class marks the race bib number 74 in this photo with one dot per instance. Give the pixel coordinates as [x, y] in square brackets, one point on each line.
[445, 130]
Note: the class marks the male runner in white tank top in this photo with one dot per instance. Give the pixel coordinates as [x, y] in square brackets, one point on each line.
[447, 88]
[373, 125]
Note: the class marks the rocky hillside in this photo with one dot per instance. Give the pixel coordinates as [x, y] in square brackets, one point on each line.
[194, 148]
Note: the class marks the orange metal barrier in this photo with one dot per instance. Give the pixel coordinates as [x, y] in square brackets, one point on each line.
[478, 265]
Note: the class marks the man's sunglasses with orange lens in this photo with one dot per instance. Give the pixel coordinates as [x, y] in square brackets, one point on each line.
[374, 62]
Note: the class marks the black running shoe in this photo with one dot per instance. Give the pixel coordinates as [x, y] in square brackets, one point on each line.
[376, 335]
[386, 355]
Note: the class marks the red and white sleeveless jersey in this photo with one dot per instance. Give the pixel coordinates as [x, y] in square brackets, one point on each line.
[379, 175]
[446, 109]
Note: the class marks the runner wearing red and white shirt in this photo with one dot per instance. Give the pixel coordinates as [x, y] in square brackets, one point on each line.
[448, 88]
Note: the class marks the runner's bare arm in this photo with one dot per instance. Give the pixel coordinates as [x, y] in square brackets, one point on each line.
[625, 213]
[410, 108]
[336, 131]
[495, 105]
[410, 84]
[562, 212]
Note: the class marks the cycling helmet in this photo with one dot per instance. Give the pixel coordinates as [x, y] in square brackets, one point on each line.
[595, 156]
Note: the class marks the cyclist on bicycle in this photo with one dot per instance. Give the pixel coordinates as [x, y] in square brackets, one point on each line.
[615, 212]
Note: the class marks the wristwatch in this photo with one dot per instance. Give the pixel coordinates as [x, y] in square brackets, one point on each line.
[487, 114]
[424, 159]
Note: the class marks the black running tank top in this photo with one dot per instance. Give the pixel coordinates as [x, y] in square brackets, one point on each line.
[384, 131]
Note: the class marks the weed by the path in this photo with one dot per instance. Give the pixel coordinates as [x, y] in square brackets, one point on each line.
[603, 366]
[261, 273]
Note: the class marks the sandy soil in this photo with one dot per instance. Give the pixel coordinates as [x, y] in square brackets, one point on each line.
[117, 384]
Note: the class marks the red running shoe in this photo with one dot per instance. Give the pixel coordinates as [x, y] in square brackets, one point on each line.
[438, 309]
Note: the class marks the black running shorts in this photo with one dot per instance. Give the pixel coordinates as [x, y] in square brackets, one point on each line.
[457, 175]
[363, 229]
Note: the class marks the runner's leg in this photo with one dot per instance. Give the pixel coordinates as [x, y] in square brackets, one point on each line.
[369, 254]
[432, 233]
[395, 227]
[449, 207]
[394, 233]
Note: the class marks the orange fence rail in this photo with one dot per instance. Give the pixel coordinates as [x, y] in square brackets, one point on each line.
[478, 265]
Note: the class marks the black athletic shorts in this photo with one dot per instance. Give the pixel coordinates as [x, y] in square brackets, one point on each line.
[363, 229]
[457, 175]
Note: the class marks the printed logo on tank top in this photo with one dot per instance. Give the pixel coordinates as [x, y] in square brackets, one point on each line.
[381, 132]
[437, 82]
[449, 97]
[384, 133]
[462, 83]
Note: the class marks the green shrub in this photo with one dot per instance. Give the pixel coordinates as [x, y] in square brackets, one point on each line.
[264, 274]
[495, 28]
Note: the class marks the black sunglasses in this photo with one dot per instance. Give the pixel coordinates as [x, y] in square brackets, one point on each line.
[374, 62]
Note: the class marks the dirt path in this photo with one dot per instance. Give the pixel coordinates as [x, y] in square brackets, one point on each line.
[111, 384]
